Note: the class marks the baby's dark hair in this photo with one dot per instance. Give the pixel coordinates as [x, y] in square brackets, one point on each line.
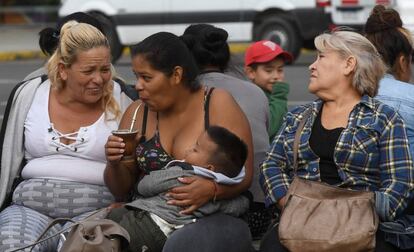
[231, 152]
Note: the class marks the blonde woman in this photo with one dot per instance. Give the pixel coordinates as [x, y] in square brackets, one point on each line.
[64, 122]
[350, 140]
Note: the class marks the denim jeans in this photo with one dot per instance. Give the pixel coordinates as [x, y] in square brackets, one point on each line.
[400, 232]
[271, 243]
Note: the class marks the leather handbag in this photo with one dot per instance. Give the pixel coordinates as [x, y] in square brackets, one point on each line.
[93, 234]
[320, 217]
[96, 236]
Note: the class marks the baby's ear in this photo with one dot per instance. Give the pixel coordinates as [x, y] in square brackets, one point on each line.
[211, 167]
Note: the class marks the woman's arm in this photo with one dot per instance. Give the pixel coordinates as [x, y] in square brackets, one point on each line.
[225, 112]
[120, 176]
[160, 181]
[396, 170]
[273, 175]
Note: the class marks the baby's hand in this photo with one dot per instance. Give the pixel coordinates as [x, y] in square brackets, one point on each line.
[114, 149]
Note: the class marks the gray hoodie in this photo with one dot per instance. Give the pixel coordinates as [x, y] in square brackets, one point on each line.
[152, 189]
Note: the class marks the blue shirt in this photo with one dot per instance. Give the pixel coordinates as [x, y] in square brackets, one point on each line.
[371, 154]
[400, 96]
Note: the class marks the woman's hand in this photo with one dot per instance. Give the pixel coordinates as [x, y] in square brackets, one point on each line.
[116, 205]
[196, 192]
[114, 149]
[281, 202]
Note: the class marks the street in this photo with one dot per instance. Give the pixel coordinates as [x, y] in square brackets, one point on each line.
[12, 72]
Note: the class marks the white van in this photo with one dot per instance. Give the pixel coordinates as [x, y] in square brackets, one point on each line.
[290, 23]
[354, 13]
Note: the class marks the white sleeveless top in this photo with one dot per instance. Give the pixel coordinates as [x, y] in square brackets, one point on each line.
[81, 161]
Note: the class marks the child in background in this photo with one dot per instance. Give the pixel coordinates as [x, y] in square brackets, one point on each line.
[264, 62]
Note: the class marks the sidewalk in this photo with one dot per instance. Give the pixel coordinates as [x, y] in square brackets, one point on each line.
[19, 42]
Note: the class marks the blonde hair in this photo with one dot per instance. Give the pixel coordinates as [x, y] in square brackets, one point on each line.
[74, 38]
[369, 67]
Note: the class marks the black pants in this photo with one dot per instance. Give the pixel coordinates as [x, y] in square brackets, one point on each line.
[271, 243]
[144, 232]
[214, 233]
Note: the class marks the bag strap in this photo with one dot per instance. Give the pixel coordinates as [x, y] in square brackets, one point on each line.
[207, 96]
[40, 240]
[54, 222]
[296, 142]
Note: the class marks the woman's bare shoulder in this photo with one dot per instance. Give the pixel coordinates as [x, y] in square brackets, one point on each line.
[224, 109]
[221, 95]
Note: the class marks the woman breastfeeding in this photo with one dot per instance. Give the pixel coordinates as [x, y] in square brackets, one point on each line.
[174, 109]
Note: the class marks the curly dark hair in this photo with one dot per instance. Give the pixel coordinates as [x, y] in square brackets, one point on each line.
[208, 44]
[384, 28]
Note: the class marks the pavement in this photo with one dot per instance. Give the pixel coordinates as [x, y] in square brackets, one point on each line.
[21, 42]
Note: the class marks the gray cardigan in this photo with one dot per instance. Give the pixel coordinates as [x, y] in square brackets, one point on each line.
[152, 189]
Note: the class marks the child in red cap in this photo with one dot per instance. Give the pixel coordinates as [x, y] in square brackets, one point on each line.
[263, 65]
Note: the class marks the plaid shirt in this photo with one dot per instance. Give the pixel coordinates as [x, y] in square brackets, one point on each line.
[372, 153]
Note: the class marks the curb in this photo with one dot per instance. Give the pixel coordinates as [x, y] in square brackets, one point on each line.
[18, 55]
[27, 54]
[235, 48]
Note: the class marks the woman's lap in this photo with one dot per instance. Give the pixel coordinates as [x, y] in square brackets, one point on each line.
[58, 198]
[37, 201]
[271, 243]
[218, 232]
[21, 226]
[143, 231]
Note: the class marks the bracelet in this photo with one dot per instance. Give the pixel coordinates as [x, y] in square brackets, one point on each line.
[215, 191]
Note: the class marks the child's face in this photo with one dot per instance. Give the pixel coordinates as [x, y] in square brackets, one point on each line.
[267, 74]
[201, 152]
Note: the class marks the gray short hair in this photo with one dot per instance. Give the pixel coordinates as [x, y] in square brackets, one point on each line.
[369, 69]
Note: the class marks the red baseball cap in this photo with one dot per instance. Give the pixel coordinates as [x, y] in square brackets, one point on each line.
[265, 51]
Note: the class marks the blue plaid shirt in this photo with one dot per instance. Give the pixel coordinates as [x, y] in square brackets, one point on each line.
[371, 154]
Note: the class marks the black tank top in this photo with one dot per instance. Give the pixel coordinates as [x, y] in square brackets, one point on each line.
[150, 154]
[323, 141]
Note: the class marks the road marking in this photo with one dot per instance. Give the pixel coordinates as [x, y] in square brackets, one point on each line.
[8, 81]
